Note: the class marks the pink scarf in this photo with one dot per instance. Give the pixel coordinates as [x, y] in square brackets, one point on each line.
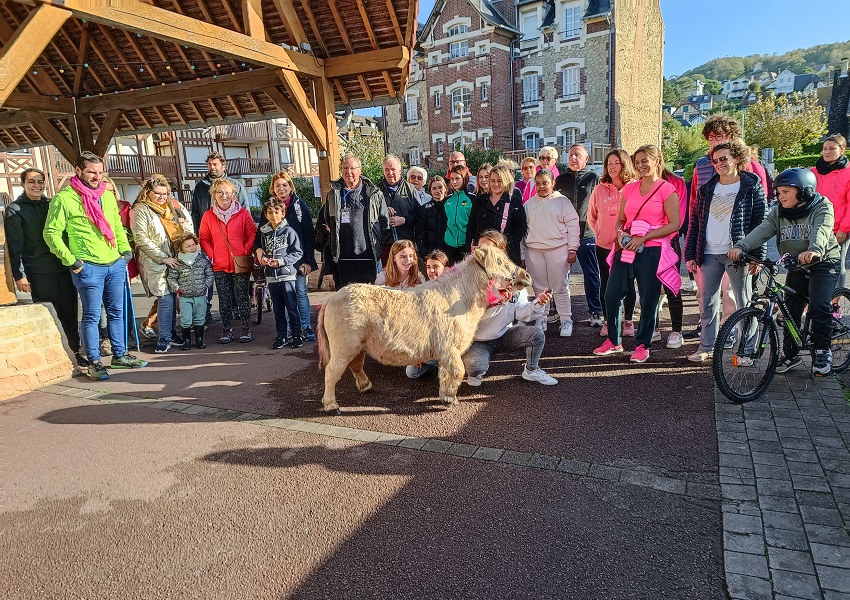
[224, 215]
[94, 211]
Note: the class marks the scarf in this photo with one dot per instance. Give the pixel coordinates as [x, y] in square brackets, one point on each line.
[169, 216]
[94, 211]
[801, 210]
[225, 215]
[824, 168]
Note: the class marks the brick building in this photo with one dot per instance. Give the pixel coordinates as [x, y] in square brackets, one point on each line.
[522, 74]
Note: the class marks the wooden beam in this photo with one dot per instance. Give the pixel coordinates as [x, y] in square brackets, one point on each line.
[364, 85]
[394, 19]
[50, 133]
[230, 15]
[311, 18]
[107, 130]
[41, 82]
[326, 108]
[26, 46]
[82, 58]
[286, 106]
[286, 10]
[252, 15]
[389, 83]
[341, 27]
[85, 127]
[120, 54]
[341, 91]
[367, 62]
[410, 28]
[40, 103]
[299, 99]
[138, 17]
[367, 24]
[240, 83]
[235, 106]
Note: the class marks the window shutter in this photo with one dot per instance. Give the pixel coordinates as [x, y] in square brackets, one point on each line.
[561, 141]
[540, 87]
[582, 80]
[406, 158]
[559, 84]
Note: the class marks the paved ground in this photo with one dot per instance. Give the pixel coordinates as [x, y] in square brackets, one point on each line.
[211, 474]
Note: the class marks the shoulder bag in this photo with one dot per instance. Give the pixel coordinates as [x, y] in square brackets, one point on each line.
[242, 263]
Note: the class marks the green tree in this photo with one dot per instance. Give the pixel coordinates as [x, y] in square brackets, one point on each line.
[681, 144]
[712, 86]
[475, 157]
[370, 150]
[785, 123]
[671, 94]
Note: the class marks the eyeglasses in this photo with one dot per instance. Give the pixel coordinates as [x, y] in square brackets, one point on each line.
[546, 158]
[415, 177]
[457, 162]
[716, 137]
[224, 194]
[721, 159]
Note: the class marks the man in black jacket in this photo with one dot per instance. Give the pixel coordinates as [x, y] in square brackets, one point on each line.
[577, 183]
[402, 206]
[216, 169]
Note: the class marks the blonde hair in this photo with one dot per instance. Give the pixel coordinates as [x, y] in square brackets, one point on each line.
[221, 182]
[653, 153]
[529, 159]
[548, 151]
[155, 180]
[494, 236]
[506, 176]
[281, 175]
[394, 278]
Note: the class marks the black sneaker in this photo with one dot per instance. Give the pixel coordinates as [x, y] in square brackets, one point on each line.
[226, 337]
[693, 334]
[309, 335]
[279, 343]
[245, 336]
[786, 364]
[82, 361]
[297, 342]
[823, 362]
[161, 347]
[97, 371]
[177, 341]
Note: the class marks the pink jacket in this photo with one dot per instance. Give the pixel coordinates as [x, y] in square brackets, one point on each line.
[836, 187]
[603, 208]
[667, 270]
[682, 192]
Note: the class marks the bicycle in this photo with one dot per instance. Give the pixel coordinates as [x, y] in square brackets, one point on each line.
[747, 351]
[260, 296]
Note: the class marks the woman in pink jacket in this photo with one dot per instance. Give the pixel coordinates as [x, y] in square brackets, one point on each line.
[603, 209]
[834, 182]
[649, 215]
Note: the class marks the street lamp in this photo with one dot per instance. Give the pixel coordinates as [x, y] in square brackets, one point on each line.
[460, 106]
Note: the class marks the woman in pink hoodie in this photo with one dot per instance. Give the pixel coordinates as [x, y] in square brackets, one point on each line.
[834, 182]
[602, 211]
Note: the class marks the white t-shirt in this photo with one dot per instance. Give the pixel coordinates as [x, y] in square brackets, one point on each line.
[717, 237]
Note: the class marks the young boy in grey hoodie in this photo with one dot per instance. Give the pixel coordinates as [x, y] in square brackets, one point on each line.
[802, 223]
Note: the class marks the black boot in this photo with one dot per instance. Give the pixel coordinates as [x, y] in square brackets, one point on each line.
[187, 338]
[199, 337]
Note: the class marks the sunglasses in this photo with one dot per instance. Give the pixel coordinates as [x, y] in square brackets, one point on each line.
[415, 177]
[721, 159]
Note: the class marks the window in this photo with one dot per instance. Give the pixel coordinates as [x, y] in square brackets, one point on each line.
[485, 141]
[411, 109]
[572, 82]
[572, 23]
[437, 100]
[435, 59]
[529, 26]
[532, 141]
[570, 136]
[457, 30]
[483, 92]
[461, 96]
[529, 89]
[414, 158]
[439, 147]
[459, 49]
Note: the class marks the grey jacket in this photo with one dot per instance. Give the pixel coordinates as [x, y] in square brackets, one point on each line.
[282, 245]
[191, 280]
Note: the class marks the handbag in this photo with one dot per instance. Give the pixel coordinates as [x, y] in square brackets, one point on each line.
[241, 263]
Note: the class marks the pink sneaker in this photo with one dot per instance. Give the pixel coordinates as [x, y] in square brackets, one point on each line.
[628, 329]
[640, 354]
[604, 331]
[608, 347]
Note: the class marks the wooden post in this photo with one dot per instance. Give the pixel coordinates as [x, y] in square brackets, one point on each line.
[326, 109]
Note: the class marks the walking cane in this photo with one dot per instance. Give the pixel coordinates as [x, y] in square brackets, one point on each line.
[130, 315]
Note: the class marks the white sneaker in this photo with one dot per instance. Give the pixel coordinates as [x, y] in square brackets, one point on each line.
[595, 320]
[566, 329]
[700, 356]
[689, 286]
[744, 361]
[473, 381]
[675, 340]
[656, 335]
[538, 375]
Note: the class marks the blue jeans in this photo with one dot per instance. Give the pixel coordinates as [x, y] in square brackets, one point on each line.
[193, 310]
[303, 300]
[285, 303]
[587, 259]
[102, 285]
[165, 316]
[711, 270]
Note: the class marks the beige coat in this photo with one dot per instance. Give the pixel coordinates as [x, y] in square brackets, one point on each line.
[152, 247]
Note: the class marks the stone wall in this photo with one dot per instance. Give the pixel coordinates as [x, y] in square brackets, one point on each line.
[7, 284]
[33, 351]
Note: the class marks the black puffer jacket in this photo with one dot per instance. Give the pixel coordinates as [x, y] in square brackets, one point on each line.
[431, 228]
[485, 215]
[747, 214]
[298, 217]
[578, 186]
[28, 252]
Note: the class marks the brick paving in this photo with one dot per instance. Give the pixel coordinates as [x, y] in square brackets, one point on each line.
[785, 485]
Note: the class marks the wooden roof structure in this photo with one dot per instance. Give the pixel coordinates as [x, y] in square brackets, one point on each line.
[74, 73]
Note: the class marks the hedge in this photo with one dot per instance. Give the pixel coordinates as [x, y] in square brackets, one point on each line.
[805, 160]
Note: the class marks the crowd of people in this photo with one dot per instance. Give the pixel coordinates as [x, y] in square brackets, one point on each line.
[629, 230]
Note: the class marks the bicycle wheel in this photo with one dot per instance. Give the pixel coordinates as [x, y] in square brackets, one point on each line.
[745, 369]
[841, 330]
[259, 292]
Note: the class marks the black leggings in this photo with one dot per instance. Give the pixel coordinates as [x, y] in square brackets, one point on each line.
[604, 274]
[58, 289]
[230, 286]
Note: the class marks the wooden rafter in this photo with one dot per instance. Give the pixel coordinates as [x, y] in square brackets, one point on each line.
[107, 130]
[235, 106]
[311, 18]
[299, 99]
[341, 27]
[233, 21]
[252, 17]
[364, 85]
[82, 58]
[292, 113]
[214, 106]
[254, 103]
[41, 81]
[286, 11]
[40, 103]
[131, 39]
[120, 54]
[367, 62]
[394, 19]
[367, 24]
[27, 44]
[341, 91]
[48, 131]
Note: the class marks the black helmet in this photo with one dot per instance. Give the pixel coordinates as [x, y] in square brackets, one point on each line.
[802, 179]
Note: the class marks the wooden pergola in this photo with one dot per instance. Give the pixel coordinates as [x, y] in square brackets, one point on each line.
[74, 73]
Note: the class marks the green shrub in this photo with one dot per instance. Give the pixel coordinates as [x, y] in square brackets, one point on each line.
[689, 172]
[304, 189]
[807, 160]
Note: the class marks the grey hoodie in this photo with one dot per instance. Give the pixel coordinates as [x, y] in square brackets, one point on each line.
[810, 232]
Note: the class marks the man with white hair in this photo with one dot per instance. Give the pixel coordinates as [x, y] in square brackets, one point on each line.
[417, 177]
[403, 207]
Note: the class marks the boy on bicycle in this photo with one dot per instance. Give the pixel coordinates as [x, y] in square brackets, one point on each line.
[802, 222]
